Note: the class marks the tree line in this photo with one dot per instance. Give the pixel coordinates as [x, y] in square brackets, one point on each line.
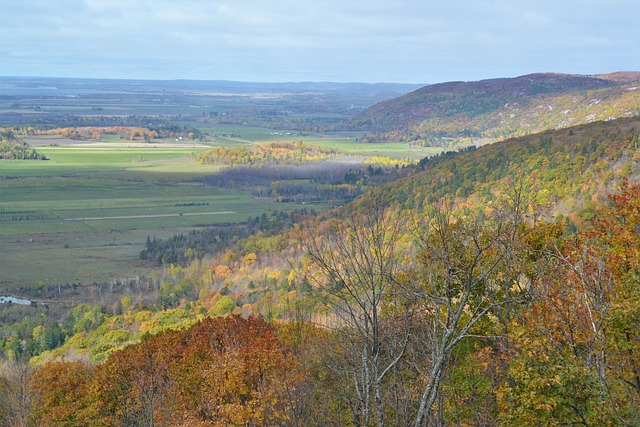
[325, 182]
[182, 249]
[264, 154]
[13, 148]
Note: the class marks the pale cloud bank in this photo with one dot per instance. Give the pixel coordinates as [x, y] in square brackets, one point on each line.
[421, 41]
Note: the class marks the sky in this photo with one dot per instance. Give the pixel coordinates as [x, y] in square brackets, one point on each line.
[403, 41]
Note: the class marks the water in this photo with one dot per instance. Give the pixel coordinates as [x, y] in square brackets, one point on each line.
[14, 300]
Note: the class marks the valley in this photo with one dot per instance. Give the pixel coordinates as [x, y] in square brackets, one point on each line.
[116, 194]
[459, 263]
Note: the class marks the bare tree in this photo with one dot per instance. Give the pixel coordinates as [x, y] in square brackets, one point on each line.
[356, 264]
[16, 398]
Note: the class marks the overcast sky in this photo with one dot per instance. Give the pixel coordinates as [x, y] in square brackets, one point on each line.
[412, 41]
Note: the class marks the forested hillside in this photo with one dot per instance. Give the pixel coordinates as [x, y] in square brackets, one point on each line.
[570, 171]
[495, 286]
[463, 113]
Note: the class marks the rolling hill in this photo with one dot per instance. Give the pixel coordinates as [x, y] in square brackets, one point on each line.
[473, 113]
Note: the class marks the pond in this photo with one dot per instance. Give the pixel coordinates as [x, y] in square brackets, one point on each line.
[14, 300]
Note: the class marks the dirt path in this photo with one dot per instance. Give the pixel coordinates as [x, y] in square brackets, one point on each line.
[97, 218]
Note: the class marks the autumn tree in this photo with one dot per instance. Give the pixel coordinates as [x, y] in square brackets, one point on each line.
[223, 371]
[577, 350]
[133, 387]
[60, 392]
[617, 233]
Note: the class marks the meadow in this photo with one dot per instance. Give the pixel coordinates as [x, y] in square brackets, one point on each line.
[346, 142]
[84, 214]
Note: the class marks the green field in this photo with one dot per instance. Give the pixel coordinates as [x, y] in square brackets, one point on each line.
[355, 148]
[346, 142]
[84, 215]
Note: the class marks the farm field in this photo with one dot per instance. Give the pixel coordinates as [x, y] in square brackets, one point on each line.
[85, 214]
[352, 147]
[346, 142]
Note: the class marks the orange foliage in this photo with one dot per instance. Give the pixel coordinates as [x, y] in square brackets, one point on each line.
[60, 389]
[222, 371]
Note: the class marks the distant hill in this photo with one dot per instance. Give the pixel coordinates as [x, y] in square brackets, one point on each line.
[464, 113]
[52, 86]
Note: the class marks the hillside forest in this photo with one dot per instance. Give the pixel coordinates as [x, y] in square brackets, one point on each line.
[455, 114]
[492, 285]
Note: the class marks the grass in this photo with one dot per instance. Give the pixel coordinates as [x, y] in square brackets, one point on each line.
[54, 204]
[69, 257]
[353, 147]
[346, 142]
[113, 155]
[83, 216]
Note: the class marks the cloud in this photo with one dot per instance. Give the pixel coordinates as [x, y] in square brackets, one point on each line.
[277, 40]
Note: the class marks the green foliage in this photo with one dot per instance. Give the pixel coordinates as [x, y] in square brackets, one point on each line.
[555, 391]
[108, 342]
[224, 306]
[28, 331]
[85, 317]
